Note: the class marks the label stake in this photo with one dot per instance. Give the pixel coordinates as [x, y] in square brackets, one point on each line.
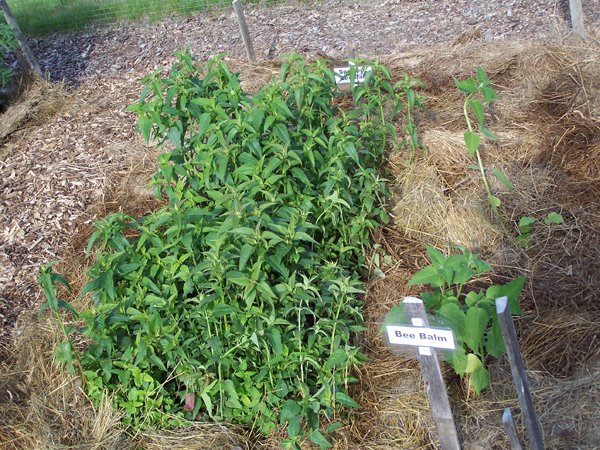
[432, 374]
[517, 367]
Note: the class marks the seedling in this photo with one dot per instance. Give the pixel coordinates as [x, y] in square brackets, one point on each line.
[480, 93]
[526, 226]
[470, 313]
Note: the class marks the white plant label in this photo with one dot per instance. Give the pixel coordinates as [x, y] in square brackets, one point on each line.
[421, 337]
[342, 74]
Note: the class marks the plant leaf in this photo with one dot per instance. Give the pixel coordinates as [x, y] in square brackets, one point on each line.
[427, 275]
[477, 320]
[245, 253]
[503, 179]
[512, 290]
[468, 85]
[554, 218]
[317, 437]
[472, 141]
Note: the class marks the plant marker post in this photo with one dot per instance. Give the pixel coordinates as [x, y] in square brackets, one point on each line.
[576, 17]
[517, 367]
[25, 50]
[432, 374]
[510, 429]
[241, 20]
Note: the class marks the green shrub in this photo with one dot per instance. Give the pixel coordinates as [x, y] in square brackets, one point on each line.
[237, 300]
[7, 44]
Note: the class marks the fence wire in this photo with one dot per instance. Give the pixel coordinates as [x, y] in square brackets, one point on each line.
[42, 16]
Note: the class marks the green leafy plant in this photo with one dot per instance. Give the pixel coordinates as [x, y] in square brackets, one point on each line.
[379, 98]
[526, 226]
[471, 314]
[236, 301]
[47, 278]
[480, 94]
[7, 44]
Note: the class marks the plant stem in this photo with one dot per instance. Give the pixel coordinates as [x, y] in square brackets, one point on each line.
[479, 162]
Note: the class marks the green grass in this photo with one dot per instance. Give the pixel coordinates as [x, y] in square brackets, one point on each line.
[44, 16]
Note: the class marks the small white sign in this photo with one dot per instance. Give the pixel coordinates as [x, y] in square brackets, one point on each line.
[342, 74]
[421, 336]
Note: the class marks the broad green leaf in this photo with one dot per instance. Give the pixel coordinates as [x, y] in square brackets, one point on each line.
[512, 290]
[245, 253]
[554, 218]
[238, 278]
[494, 342]
[494, 201]
[108, 283]
[337, 358]
[487, 133]
[427, 275]
[503, 179]
[482, 77]
[456, 316]
[350, 149]
[204, 123]
[477, 320]
[438, 259]
[334, 426]
[489, 94]
[480, 379]
[145, 126]
[282, 133]
[345, 399]
[457, 359]
[290, 409]
[525, 223]
[477, 109]
[275, 339]
[473, 363]
[317, 437]
[472, 141]
[222, 309]
[468, 85]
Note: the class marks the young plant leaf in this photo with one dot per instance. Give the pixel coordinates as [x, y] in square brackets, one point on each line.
[503, 179]
[472, 141]
[468, 85]
[554, 218]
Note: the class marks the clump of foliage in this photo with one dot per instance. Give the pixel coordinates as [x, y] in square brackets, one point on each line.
[471, 314]
[7, 44]
[236, 301]
[526, 226]
[480, 94]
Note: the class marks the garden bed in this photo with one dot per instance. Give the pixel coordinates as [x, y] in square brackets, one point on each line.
[548, 122]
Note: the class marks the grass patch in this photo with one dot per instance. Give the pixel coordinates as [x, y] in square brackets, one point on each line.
[44, 16]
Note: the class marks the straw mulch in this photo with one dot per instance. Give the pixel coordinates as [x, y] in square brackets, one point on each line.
[548, 122]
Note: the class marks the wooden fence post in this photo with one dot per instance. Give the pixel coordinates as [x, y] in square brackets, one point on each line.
[241, 20]
[25, 50]
[517, 367]
[432, 374]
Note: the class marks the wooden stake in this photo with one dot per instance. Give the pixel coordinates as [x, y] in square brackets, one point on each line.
[241, 20]
[511, 430]
[517, 367]
[577, 17]
[25, 50]
[432, 374]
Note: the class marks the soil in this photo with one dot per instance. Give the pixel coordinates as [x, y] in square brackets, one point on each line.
[51, 174]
